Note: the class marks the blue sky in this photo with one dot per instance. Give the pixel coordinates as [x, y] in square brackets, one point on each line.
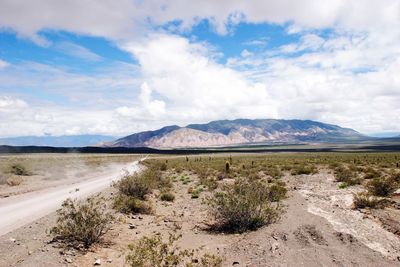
[118, 68]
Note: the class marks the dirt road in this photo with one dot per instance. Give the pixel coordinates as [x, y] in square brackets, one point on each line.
[17, 211]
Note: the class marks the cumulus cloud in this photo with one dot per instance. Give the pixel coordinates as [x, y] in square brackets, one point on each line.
[195, 86]
[348, 75]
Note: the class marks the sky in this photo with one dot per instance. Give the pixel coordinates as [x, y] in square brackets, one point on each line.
[118, 67]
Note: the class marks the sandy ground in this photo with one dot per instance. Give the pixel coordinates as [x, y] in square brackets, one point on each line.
[319, 228]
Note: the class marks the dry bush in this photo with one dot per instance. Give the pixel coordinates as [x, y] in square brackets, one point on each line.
[243, 206]
[135, 186]
[382, 187]
[18, 169]
[304, 169]
[167, 196]
[127, 204]
[153, 252]
[343, 174]
[14, 180]
[133, 189]
[277, 191]
[371, 173]
[82, 223]
[365, 200]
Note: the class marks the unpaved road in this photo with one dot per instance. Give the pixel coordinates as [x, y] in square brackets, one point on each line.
[20, 210]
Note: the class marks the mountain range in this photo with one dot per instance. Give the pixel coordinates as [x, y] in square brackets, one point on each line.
[239, 132]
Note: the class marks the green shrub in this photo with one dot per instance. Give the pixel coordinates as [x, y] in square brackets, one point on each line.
[383, 186]
[365, 200]
[371, 173]
[277, 191]
[135, 186]
[153, 252]
[343, 185]
[304, 169]
[167, 196]
[127, 204]
[343, 174]
[82, 223]
[243, 206]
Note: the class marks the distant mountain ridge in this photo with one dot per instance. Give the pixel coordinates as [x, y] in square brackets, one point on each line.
[238, 132]
[57, 141]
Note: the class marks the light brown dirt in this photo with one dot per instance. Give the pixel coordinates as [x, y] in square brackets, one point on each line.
[318, 228]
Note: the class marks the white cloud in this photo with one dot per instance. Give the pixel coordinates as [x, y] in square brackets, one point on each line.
[77, 51]
[195, 87]
[348, 77]
[3, 64]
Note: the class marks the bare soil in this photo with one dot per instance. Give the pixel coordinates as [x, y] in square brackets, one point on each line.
[319, 228]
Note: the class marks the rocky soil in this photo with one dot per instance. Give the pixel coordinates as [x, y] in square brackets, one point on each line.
[319, 228]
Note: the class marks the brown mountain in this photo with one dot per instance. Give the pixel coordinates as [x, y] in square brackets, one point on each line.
[239, 132]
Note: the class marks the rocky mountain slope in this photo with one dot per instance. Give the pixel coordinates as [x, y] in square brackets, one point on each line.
[238, 132]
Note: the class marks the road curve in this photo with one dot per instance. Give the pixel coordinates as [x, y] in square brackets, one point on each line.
[20, 210]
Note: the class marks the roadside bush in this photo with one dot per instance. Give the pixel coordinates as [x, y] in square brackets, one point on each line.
[343, 185]
[382, 187]
[153, 252]
[343, 174]
[82, 223]
[365, 200]
[243, 206]
[135, 186]
[127, 204]
[167, 196]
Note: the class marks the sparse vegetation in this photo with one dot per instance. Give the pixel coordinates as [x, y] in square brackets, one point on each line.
[154, 252]
[346, 175]
[167, 196]
[365, 200]
[14, 180]
[243, 206]
[127, 204]
[18, 169]
[304, 169]
[82, 223]
[382, 187]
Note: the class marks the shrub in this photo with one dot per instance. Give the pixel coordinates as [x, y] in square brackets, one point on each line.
[365, 200]
[127, 204]
[82, 223]
[383, 186]
[277, 191]
[244, 205]
[153, 252]
[343, 174]
[371, 173]
[18, 169]
[167, 196]
[343, 185]
[135, 186]
[14, 180]
[304, 169]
